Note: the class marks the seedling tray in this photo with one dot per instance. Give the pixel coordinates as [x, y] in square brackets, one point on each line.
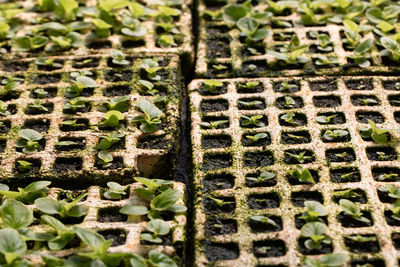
[222, 50]
[224, 160]
[32, 17]
[104, 217]
[138, 153]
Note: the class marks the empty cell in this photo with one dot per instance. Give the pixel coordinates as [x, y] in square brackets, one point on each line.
[269, 248]
[394, 100]
[368, 262]
[111, 214]
[298, 198]
[14, 66]
[215, 141]
[327, 101]
[327, 85]
[258, 159]
[62, 165]
[147, 142]
[133, 43]
[100, 44]
[216, 161]
[221, 251]
[212, 182]
[47, 78]
[214, 105]
[216, 226]
[263, 201]
[117, 235]
[359, 84]
[218, 47]
[118, 90]
[118, 75]
[364, 116]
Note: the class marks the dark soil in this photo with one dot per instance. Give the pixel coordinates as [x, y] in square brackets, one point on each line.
[298, 198]
[348, 221]
[323, 86]
[261, 142]
[336, 175]
[281, 103]
[12, 108]
[221, 181]
[118, 90]
[362, 247]
[214, 105]
[364, 116]
[373, 153]
[151, 142]
[215, 141]
[338, 119]
[80, 143]
[133, 43]
[275, 248]
[67, 165]
[5, 128]
[111, 214]
[391, 85]
[357, 100]
[2, 144]
[10, 95]
[251, 107]
[216, 161]
[40, 125]
[216, 226]
[263, 201]
[396, 240]
[359, 84]
[118, 236]
[299, 119]
[118, 75]
[216, 29]
[13, 66]
[340, 155]
[326, 248]
[258, 159]
[394, 100]
[221, 251]
[293, 180]
[390, 220]
[211, 207]
[327, 101]
[372, 262]
[47, 78]
[297, 137]
[100, 45]
[80, 63]
[259, 227]
[218, 47]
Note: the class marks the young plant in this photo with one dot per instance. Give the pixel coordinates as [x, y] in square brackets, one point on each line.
[63, 208]
[325, 119]
[148, 87]
[75, 103]
[118, 58]
[150, 66]
[213, 124]
[155, 259]
[315, 210]
[353, 210]
[255, 138]
[334, 134]
[4, 109]
[112, 119]
[220, 202]
[310, 16]
[392, 48]
[40, 93]
[263, 177]
[362, 239]
[326, 60]
[27, 194]
[250, 28]
[47, 62]
[156, 228]
[292, 53]
[349, 193]
[378, 135]
[264, 220]
[28, 140]
[64, 235]
[300, 158]
[105, 159]
[12, 246]
[80, 83]
[278, 8]
[166, 40]
[324, 43]
[289, 102]
[316, 232]
[362, 54]
[120, 103]
[289, 118]
[72, 123]
[108, 140]
[253, 120]
[38, 106]
[212, 86]
[250, 104]
[150, 118]
[329, 260]
[304, 175]
[250, 85]
[114, 191]
[29, 43]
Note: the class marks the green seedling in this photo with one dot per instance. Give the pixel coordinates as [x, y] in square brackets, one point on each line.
[212, 86]
[108, 140]
[250, 104]
[348, 176]
[324, 43]
[12, 246]
[213, 124]
[353, 210]
[286, 86]
[252, 121]
[325, 119]
[289, 118]
[150, 66]
[292, 53]
[387, 176]
[72, 123]
[316, 232]
[250, 28]
[156, 228]
[120, 103]
[29, 43]
[349, 193]
[335, 134]
[304, 175]
[150, 118]
[63, 236]
[166, 40]
[4, 109]
[264, 220]
[289, 102]
[28, 140]
[105, 159]
[326, 60]
[378, 135]
[38, 106]
[75, 103]
[362, 54]
[263, 177]
[40, 93]
[148, 87]
[255, 138]
[279, 7]
[301, 157]
[27, 194]
[220, 202]
[80, 83]
[315, 210]
[115, 191]
[392, 48]
[24, 166]
[113, 119]
[118, 58]
[250, 85]
[329, 260]
[47, 62]
[362, 239]
[63, 208]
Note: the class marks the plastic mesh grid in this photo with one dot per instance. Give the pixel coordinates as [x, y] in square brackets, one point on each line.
[221, 168]
[147, 43]
[129, 227]
[222, 51]
[138, 153]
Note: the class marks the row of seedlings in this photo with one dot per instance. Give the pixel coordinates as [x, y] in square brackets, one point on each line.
[83, 27]
[287, 38]
[101, 117]
[134, 225]
[296, 171]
